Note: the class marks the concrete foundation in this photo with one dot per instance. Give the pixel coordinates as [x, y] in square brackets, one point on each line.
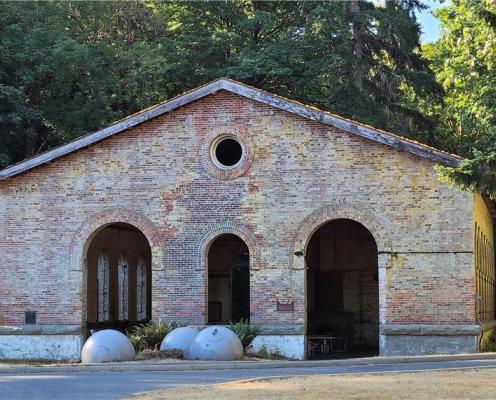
[425, 339]
[424, 345]
[290, 346]
[42, 347]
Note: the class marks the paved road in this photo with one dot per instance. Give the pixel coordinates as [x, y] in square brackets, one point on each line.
[115, 385]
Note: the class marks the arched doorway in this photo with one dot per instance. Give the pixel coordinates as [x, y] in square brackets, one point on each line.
[228, 287]
[118, 290]
[342, 291]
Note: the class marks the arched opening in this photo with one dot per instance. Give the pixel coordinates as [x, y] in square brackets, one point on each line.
[342, 291]
[118, 290]
[228, 280]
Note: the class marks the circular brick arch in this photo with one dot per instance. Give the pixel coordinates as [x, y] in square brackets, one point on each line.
[95, 222]
[225, 229]
[242, 136]
[359, 213]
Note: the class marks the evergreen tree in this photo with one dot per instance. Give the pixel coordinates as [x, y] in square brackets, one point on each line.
[464, 62]
[353, 58]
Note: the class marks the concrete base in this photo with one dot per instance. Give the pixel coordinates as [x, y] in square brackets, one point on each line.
[415, 345]
[290, 346]
[42, 347]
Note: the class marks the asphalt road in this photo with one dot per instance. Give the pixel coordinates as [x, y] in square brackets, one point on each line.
[115, 385]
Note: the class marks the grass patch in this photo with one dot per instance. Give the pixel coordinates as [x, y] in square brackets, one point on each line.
[456, 384]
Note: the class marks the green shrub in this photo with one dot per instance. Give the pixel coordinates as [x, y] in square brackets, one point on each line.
[490, 345]
[150, 335]
[245, 331]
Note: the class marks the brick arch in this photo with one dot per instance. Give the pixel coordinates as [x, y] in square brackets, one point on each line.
[97, 221]
[209, 237]
[224, 229]
[247, 143]
[376, 225]
[94, 224]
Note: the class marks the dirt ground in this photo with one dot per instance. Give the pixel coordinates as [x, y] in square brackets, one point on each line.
[456, 384]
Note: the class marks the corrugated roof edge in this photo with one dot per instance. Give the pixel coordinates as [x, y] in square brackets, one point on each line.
[241, 89]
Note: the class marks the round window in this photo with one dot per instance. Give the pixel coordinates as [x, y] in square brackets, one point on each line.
[227, 152]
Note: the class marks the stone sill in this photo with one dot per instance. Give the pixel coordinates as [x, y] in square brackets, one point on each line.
[40, 329]
[430, 329]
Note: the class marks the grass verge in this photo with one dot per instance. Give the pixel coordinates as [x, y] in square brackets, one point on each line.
[454, 384]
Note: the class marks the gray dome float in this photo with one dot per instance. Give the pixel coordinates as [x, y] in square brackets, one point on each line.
[179, 339]
[216, 343]
[106, 346]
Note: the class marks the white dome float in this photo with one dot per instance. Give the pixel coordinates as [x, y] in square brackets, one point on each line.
[216, 343]
[106, 346]
[179, 339]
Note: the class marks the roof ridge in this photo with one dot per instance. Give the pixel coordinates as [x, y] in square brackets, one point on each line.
[346, 119]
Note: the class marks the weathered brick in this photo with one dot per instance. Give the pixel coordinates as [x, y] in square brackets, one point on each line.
[299, 174]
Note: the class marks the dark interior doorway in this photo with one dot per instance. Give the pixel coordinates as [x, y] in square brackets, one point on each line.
[342, 291]
[118, 278]
[228, 280]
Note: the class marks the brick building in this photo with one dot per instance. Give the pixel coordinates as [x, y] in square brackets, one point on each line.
[228, 202]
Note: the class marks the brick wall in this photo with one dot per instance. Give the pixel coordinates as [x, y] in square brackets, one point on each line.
[296, 172]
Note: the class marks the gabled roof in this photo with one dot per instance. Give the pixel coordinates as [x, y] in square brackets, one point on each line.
[238, 88]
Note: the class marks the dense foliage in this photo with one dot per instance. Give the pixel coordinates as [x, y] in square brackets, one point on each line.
[464, 59]
[70, 67]
[150, 335]
[245, 331]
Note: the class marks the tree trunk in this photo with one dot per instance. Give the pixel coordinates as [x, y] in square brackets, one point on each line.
[358, 45]
[31, 141]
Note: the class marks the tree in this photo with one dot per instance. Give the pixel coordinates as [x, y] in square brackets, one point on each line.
[388, 69]
[464, 62]
[50, 83]
[477, 174]
[72, 67]
[353, 58]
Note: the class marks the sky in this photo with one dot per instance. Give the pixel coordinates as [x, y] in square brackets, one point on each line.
[430, 24]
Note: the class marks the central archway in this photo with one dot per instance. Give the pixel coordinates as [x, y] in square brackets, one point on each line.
[118, 287]
[342, 291]
[228, 287]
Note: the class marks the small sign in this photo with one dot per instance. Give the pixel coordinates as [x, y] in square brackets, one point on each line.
[285, 306]
[30, 317]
